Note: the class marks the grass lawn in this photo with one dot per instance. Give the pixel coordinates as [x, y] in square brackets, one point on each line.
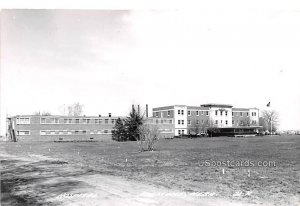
[183, 164]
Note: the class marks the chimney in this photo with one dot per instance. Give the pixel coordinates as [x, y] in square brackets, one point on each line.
[109, 114]
[147, 110]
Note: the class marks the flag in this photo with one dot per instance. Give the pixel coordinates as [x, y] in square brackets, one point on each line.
[268, 105]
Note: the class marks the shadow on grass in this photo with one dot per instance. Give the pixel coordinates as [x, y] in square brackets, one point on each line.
[37, 183]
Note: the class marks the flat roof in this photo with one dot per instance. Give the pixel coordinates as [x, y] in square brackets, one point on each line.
[216, 105]
[66, 116]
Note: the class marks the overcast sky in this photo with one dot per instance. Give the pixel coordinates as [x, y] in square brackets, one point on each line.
[110, 59]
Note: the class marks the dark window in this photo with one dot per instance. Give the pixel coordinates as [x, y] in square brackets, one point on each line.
[216, 112]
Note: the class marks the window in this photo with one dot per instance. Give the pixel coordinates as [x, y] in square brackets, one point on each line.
[241, 122]
[232, 113]
[202, 112]
[23, 120]
[241, 114]
[170, 121]
[113, 121]
[182, 131]
[202, 121]
[206, 113]
[178, 111]
[156, 114]
[55, 120]
[77, 121]
[84, 131]
[182, 121]
[105, 131]
[76, 132]
[247, 114]
[189, 113]
[96, 121]
[179, 132]
[216, 121]
[178, 121]
[84, 121]
[221, 121]
[23, 132]
[232, 122]
[88, 121]
[100, 121]
[169, 113]
[221, 113]
[182, 112]
[216, 112]
[197, 113]
[156, 121]
[43, 120]
[106, 121]
[42, 132]
[70, 121]
[189, 122]
[226, 113]
[226, 122]
[66, 121]
[253, 113]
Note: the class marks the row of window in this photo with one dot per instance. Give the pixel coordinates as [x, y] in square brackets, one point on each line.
[164, 121]
[65, 132]
[253, 114]
[180, 132]
[23, 120]
[23, 132]
[76, 121]
[74, 132]
[241, 122]
[180, 121]
[221, 113]
[226, 122]
[198, 113]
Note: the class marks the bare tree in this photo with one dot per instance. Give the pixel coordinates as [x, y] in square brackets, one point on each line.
[246, 121]
[271, 120]
[196, 127]
[149, 134]
[75, 109]
[212, 128]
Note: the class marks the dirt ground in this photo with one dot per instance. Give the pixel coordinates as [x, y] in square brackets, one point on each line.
[111, 173]
[40, 180]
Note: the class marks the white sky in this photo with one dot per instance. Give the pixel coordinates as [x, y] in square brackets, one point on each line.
[109, 59]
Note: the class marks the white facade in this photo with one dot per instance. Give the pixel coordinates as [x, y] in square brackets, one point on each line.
[180, 117]
[221, 117]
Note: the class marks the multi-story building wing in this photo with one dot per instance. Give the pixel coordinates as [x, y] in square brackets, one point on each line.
[197, 119]
[55, 127]
[245, 116]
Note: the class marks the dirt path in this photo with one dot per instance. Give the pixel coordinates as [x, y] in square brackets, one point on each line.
[39, 180]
